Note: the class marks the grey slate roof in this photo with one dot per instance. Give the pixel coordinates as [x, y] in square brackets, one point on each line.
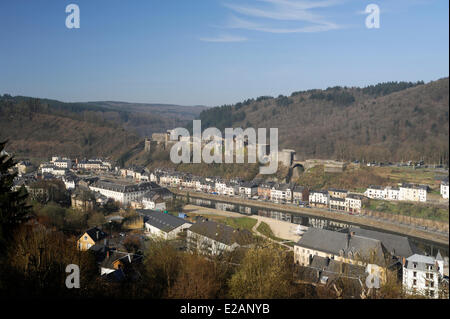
[338, 199]
[222, 233]
[395, 244]
[112, 186]
[96, 234]
[338, 243]
[330, 269]
[338, 190]
[162, 221]
[421, 262]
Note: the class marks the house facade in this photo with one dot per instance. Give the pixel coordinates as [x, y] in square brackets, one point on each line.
[445, 189]
[123, 193]
[421, 274]
[319, 199]
[300, 194]
[211, 238]
[346, 247]
[414, 193]
[353, 203]
[281, 193]
[162, 225]
[90, 238]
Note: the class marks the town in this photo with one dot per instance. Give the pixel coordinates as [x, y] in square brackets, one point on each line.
[209, 159]
[141, 204]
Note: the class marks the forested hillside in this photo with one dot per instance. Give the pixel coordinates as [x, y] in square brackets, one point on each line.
[39, 129]
[391, 121]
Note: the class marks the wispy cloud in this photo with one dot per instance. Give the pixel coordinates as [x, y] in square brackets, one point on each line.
[238, 23]
[276, 16]
[281, 10]
[224, 38]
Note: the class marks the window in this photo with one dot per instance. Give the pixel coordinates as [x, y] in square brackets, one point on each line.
[415, 274]
[414, 282]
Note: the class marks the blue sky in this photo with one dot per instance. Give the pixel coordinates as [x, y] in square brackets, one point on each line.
[215, 52]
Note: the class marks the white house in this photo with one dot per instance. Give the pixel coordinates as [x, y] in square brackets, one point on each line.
[281, 192]
[353, 203]
[211, 238]
[415, 193]
[392, 193]
[47, 168]
[319, 198]
[69, 181]
[122, 192]
[63, 163]
[375, 192]
[337, 203]
[220, 187]
[421, 274]
[156, 199]
[444, 189]
[162, 225]
[248, 189]
[94, 164]
[154, 203]
[406, 192]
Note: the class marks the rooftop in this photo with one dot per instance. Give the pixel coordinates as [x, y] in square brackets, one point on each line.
[162, 221]
[222, 233]
[344, 244]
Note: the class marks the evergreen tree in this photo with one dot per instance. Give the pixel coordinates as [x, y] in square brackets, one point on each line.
[13, 207]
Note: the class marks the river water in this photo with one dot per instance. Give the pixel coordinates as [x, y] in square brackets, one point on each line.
[427, 247]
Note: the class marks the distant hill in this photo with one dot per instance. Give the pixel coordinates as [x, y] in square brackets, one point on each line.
[391, 121]
[144, 118]
[42, 127]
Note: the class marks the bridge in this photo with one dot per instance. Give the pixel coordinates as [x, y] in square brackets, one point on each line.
[289, 159]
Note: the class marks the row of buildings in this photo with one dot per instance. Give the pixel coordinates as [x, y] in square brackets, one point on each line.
[333, 199]
[337, 199]
[61, 165]
[405, 192]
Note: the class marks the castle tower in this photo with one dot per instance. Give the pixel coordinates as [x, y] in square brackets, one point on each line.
[147, 145]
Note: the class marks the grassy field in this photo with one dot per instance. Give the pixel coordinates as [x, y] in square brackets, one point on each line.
[407, 175]
[235, 222]
[265, 229]
[409, 209]
[358, 179]
[241, 222]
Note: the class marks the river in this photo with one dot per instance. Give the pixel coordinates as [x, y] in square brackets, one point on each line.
[427, 247]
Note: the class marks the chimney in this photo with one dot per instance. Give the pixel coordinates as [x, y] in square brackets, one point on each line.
[403, 261]
[107, 254]
[97, 234]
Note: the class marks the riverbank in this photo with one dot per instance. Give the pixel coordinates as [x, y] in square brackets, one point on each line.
[281, 229]
[336, 216]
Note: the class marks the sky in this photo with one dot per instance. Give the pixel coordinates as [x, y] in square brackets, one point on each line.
[215, 52]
